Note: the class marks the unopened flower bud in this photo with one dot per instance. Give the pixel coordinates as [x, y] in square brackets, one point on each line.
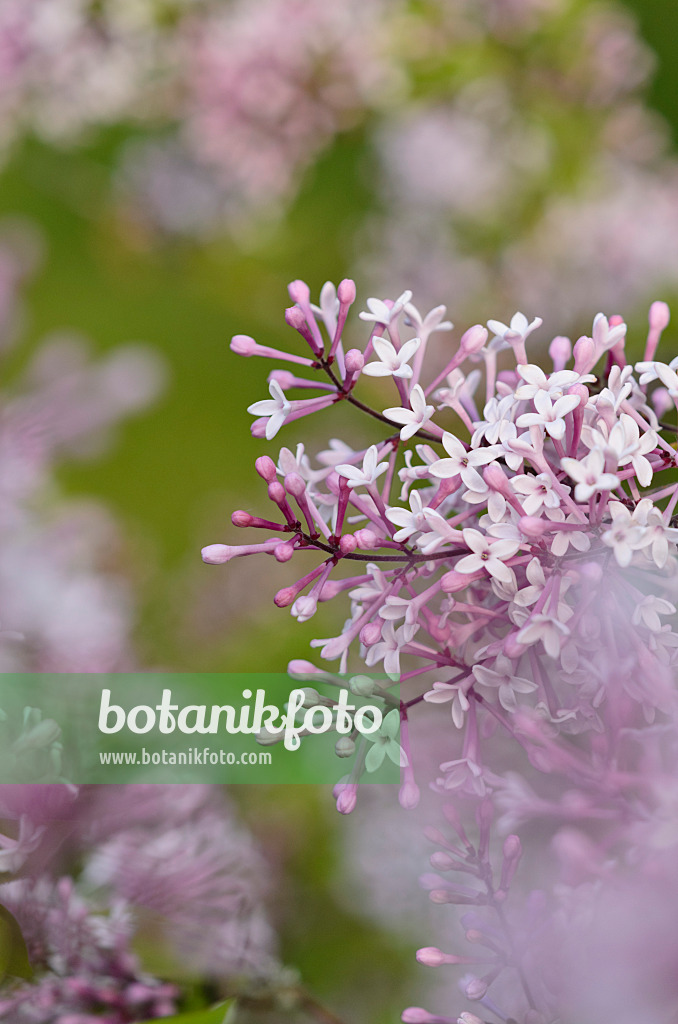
[304, 608]
[299, 668]
[417, 1015]
[362, 686]
[496, 480]
[346, 800]
[584, 354]
[409, 795]
[560, 351]
[299, 292]
[243, 345]
[454, 581]
[283, 552]
[285, 597]
[346, 291]
[354, 361]
[534, 527]
[265, 467]
[659, 316]
[344, 747]
[294, 484]
[348, 544]
[473, 339]
[366, 540]
[476, 989]
[284, 378]
[370, 633]
[276, 492]
[242, 519]
[442, 861]
[431, 956]
[512, 647]
[216, 554]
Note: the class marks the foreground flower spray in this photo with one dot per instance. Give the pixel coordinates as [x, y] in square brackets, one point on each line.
[504, 547]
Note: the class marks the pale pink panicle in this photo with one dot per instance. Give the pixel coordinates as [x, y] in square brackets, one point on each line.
[527, 592]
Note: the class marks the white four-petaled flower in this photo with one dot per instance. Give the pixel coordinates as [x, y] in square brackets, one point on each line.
[462, 462]
[414, 418]
[487, 554]
[392, 362]
[368, 473]
[589, 475]
[549, 414]
[276, 408]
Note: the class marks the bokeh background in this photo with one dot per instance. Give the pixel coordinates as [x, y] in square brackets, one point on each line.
[133, 238]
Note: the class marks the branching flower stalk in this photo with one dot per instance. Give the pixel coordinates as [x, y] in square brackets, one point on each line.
[514, 562]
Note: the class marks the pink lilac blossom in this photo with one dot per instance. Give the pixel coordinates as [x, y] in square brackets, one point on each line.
[85, 967]
[169, 861]
[544, 636]
[195, 868]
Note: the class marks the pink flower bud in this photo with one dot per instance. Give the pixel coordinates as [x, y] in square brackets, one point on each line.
[354, 361]
[346, 291]
[534, 527]
[494, 477]
[473, 339]
[299, 292]
[216, 554]
[295, 485]
[276, 492]
[285, 597]
[265, 467]
[454, 581]
[659, 316]
[560, 351]
[512, 648]
[432, 957]
[366, 540]
[584, 354]
[348, 544]
[284, 551]
[409, 795]
[258, 427]
[347, 799]
[416, 1015]
[370, 633]
[476, 989]
[582, 391]
[243, 345]
[298, 668]
[242, 519]
[661, 401]
[284, 378]
[513, 848]
[442, 861]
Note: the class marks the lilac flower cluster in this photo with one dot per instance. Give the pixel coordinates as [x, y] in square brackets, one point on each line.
[169, 862]
[510, 561]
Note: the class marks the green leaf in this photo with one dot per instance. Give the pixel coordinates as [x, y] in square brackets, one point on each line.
[13, 953]
[215, 1015]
